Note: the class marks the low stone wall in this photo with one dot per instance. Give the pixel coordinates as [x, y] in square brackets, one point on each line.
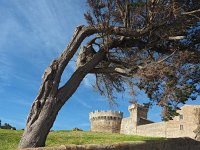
[169, 144]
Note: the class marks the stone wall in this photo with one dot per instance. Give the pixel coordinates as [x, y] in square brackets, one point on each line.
[170, 144]
[127, 126]
[106, 121]
[181, 126]
[154, 129]
[144, 121]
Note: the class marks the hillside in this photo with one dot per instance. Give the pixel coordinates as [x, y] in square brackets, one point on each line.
[9, 139]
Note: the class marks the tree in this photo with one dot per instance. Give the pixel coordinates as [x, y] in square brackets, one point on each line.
[152, 44]
[7, 126]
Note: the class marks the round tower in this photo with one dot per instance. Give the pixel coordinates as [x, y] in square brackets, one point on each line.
[106, 121]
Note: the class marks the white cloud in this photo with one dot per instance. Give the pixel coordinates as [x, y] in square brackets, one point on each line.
[41, 28]
[84, 104]
[36, 32]
[5, 72]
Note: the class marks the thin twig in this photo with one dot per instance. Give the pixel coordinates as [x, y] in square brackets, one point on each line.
[190, 12]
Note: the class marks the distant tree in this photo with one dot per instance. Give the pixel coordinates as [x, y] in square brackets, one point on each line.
[77, 129]
[8, 126]
[0, 124]
[152, 43]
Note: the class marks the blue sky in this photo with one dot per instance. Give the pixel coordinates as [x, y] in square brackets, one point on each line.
[33, 33]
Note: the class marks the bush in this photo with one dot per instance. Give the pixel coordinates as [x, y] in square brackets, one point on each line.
[76, 129]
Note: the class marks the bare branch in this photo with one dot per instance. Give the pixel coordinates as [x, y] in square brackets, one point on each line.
[157, 62]
[190, 12]
[115, 70]
[166, 57]
[176, 37]
[121, 9]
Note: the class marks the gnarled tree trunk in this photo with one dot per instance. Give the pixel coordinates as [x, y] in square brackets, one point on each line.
[51, 98]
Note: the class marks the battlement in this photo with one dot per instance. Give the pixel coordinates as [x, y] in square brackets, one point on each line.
[138, 106]
[107, 115]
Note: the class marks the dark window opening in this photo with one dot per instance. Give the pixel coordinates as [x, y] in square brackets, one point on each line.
[181, 127]
[180, 117]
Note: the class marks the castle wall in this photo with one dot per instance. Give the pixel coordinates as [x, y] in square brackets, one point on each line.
[106, 121]
[142, 112]
[144, 121]
[181, 126]
[127, 126]
[153, 129]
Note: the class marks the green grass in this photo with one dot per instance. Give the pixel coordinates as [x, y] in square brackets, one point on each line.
[9, 139]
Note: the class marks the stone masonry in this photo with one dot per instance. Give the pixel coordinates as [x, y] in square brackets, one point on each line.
[138, 124]
[106, 121]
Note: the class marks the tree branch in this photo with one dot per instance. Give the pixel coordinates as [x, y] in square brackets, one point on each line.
[190, 12]
[176, 37]
[158, 62]
[82, 32]
[67, 90]
[115, 70]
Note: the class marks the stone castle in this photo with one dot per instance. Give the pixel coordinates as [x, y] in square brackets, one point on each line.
[138, 124]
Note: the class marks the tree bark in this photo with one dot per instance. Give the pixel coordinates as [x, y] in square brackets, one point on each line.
[48, 103]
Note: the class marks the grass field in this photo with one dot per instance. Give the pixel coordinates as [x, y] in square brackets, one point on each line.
[9, 139]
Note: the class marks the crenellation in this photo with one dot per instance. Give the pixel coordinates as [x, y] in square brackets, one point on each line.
[98, 113]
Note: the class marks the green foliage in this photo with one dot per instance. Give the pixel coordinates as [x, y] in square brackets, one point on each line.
[171, 113]
[9, 139]
[6, 126]
[137, 4]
